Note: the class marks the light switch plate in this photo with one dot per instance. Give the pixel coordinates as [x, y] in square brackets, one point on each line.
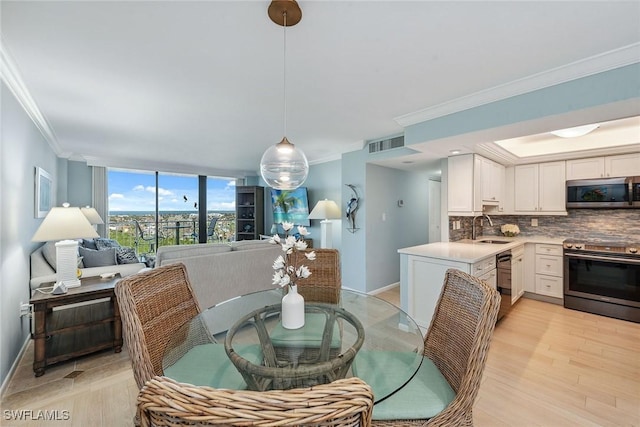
[534, 222]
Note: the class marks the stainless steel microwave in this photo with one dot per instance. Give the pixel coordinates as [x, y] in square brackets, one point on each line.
[604, 193]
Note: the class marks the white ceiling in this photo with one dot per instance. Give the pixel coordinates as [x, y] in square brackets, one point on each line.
[198, 85]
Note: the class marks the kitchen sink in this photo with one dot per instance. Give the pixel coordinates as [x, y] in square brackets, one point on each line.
[494, 242]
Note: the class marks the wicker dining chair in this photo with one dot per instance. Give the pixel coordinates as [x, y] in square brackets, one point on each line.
[153, 306]
[324, 284]
[457, 343]
[165, 402]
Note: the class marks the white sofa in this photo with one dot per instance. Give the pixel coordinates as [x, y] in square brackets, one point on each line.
[218, 272]
[43, 272]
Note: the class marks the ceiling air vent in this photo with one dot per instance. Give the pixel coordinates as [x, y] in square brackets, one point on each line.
[386, 144]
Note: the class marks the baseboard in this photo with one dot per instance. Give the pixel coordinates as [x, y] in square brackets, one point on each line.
[14, 367]
[543, 298]
[384, 289]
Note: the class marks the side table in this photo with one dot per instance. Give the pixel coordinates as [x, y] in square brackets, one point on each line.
[71, 332]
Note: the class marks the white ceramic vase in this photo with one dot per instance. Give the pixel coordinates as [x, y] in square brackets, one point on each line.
[292, 309]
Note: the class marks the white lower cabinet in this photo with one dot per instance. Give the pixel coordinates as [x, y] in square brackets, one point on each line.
[425, 277]
[548, 270]
[517, 273]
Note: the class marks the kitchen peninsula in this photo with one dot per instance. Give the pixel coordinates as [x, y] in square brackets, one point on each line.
[422, 268]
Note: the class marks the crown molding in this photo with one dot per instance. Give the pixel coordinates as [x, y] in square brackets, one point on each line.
[11, 76]
[617, 58]
[169, 167]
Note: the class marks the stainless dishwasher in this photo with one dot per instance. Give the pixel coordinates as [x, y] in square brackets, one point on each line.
[503, 265]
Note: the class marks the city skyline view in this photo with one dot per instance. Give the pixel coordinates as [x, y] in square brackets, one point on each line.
[135, 191]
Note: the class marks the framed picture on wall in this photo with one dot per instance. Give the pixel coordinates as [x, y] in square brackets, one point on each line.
[43, 193]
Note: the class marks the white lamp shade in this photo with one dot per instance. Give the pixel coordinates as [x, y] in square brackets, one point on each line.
[283, 166]
[64, 223]
[92, 215]
[325, 209]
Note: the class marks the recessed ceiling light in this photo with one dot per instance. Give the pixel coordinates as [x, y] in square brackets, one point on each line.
[456, 151]
[575, 131]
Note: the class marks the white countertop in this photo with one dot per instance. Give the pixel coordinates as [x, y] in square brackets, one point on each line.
[471, 251]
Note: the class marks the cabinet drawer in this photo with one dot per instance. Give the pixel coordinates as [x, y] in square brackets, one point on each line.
[549, 249]
[549, 285]
[550, 265]
[483, 266]
[491, 278]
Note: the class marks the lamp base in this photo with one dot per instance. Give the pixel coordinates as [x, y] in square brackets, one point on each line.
[326, 236]
[67, 263]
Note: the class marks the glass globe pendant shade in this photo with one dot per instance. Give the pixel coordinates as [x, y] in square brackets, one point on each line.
[283, 166]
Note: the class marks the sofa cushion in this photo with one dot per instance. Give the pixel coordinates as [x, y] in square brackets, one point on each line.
[176, 252]
[101, 258]
[49, 254]
[250, 244]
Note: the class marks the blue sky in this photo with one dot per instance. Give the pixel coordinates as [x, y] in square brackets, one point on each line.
[135, 191]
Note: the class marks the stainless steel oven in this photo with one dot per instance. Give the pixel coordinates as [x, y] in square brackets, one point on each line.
[602, 278]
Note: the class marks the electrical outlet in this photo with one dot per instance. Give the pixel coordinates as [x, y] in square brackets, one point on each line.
[534, 222]
[25, 309]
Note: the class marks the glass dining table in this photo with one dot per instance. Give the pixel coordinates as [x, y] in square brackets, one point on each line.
[241, 344]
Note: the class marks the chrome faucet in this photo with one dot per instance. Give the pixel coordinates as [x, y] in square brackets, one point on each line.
[473, 224]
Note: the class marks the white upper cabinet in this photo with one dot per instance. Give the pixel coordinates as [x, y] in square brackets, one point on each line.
[540, 188]
[492, 179]
[604, 167]
[474, 182]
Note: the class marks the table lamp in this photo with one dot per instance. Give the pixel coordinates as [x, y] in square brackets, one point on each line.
[92, 215]
[325, 210]
[63, 224]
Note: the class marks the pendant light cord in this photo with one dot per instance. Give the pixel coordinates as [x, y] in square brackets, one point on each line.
[284, 66]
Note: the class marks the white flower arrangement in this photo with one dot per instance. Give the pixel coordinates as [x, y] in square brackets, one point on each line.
[510, 230]
[288, 267]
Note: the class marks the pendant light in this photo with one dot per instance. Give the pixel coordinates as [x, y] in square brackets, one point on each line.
[283, 166]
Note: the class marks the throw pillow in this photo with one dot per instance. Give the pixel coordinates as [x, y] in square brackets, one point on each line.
[126, 256]
[49, 253]
[92, 258]
[102, 243]
[89, 244]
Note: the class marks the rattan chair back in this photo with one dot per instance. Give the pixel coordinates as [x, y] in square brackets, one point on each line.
[325, 282]
[346, 402]
[153, 306]
[458, 342]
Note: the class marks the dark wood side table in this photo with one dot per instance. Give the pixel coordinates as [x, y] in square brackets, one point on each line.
[71, 332]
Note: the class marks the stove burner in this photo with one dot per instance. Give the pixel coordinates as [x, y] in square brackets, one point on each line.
[602, 247]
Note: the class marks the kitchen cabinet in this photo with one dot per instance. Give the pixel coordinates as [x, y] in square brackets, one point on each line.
[474, 183]
[540, 188]
[604, 167]
[424, 281]
[517, 273]
[548, 270]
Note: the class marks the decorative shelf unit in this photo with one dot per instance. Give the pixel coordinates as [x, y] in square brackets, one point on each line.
[249, 212]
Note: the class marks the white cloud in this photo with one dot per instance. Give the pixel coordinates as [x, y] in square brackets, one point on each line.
[114, 196]
[161, 191]
[138, 188]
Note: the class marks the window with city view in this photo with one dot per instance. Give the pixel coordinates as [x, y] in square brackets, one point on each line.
[132, 209]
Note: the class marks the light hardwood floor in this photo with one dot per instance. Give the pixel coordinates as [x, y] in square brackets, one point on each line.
[547, 366]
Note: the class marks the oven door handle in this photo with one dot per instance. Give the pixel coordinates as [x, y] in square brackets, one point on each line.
[604, 258]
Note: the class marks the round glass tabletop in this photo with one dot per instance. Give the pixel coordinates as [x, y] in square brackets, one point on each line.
[389, 343]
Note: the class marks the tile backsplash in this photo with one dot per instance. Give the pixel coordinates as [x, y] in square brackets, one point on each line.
[594, 224]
